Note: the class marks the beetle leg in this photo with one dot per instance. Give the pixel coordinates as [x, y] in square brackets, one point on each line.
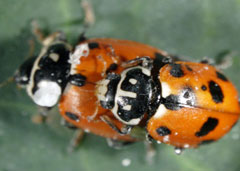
[146, 62]
[7, 81]
[150, 152]
[116, 144]
[125, 130]
[46, 40]
[222, 61]
[41, 116]
[76, 140]
[37, 32]
[207, 60]
[89, 18]
[67, 124]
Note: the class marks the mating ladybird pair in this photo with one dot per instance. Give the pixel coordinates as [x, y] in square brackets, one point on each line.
[109, 87]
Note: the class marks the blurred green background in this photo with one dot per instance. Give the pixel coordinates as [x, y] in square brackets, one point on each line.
[189, 28]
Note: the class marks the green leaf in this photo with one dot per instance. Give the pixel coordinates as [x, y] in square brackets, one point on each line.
[189, 28]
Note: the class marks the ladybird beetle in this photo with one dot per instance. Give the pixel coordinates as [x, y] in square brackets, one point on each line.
[109, 86]
[69, 76]
[187, 103]
[93, 59]
[198, 105]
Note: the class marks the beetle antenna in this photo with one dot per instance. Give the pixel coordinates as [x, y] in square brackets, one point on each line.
[7, 81]
[89, 18]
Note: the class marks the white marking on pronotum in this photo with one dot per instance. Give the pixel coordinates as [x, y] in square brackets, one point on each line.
[132, 81]
[81, 50]
[34, 69]
[127, 107]
[145, 71]
[102, 89]
[123, 93]
[47, 94]
[166, 91]
[161, 111]
[54, 57]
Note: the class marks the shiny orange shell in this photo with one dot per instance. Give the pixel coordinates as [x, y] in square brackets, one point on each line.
[82, 101]
[211, 112]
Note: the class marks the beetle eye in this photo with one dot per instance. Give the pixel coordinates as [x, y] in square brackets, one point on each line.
[22, 75]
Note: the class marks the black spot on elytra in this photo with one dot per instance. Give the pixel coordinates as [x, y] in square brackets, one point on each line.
[206, 142]
[189, 68]
[221, 76]
[112, 67]
[207, 127]
[176, 70]
[163, 131]
[204, 88]
[216, 92]
[171, 102]
[93, 45]
[72, 116]
[77, 80]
